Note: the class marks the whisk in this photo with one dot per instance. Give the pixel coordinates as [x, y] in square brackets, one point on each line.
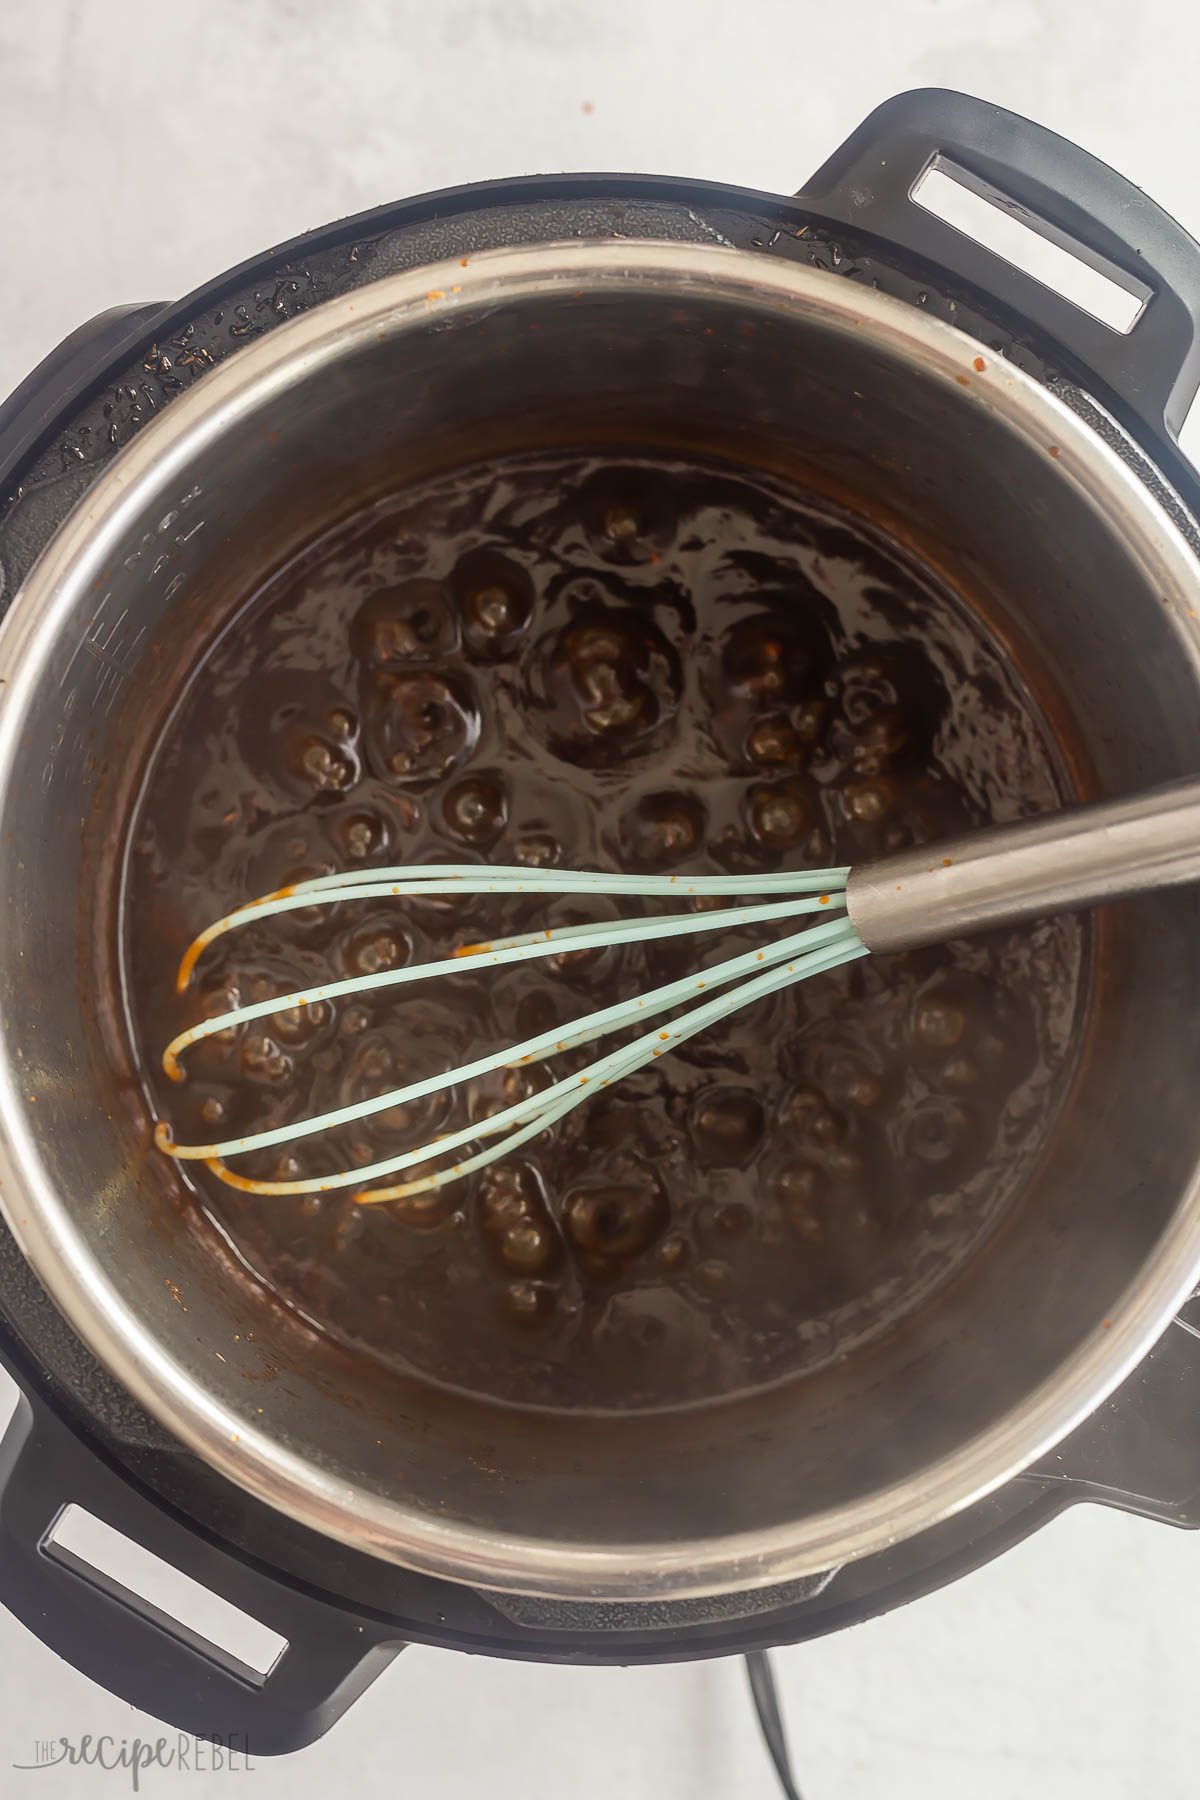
[998, 876]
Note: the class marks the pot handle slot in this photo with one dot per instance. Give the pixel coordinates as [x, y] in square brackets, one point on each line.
[260, 1668]
[1149, 359]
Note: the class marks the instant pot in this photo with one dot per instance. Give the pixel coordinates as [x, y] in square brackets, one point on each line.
[1026, 447]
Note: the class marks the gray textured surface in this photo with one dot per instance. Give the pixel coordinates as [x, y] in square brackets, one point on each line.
[572, 1615]
[145, 146]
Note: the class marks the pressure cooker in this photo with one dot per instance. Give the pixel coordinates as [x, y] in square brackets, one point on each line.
[1023, 444]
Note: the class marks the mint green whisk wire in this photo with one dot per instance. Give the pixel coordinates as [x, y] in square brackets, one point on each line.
[536, 1113]
[417, 881]
[560, 940]
[606, 1020]
[816, 950]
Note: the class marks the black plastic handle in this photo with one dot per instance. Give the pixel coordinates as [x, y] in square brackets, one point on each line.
[36, 401]
[151, 1661]
[1064, 194]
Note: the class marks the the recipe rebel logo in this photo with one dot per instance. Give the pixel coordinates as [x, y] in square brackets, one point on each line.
[134, 1757]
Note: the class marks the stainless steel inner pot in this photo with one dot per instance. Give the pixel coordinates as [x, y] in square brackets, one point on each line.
[778, 366]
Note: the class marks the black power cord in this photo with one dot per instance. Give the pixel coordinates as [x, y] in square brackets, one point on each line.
[770, 1719]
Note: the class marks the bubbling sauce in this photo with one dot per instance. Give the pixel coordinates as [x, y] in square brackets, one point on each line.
[627, 664]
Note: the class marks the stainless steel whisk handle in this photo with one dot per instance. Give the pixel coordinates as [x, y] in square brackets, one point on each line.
[1078, 857]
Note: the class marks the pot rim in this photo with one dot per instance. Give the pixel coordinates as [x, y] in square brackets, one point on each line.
[148, 470]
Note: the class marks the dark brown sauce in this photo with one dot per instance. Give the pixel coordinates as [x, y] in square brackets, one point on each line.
[602, 664]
